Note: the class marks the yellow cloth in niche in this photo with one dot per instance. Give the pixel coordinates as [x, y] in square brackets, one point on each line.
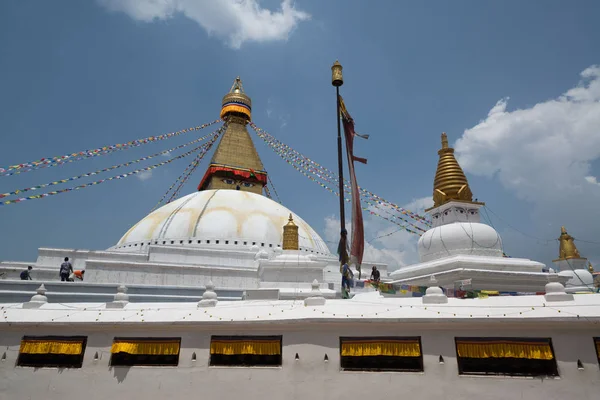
[146, 348]
[531, 351]
[256, 347]
[51, 347]
[391, 348]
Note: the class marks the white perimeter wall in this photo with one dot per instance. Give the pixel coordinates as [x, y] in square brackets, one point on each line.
[308, 378]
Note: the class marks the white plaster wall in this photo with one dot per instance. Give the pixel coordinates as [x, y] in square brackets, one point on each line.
[308, 378]
[164, 274]
[488, 280]
[306, 272]
[454, 211]
[50, 257]
[210, 256]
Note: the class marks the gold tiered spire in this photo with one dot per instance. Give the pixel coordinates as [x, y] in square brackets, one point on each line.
[290, 235]
[568, 249]
[450, 181]
[235, 164]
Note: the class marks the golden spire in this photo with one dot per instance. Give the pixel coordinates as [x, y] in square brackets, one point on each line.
[450, 181]
[567, 249]
[235, 164]
[290, 235]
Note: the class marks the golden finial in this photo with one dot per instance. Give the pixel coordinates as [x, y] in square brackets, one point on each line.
[590, 267]
[567, 248]
[237, 86]
[450, 181]
[290, 235]
[337, 79]
[444, 140]
[236, 103]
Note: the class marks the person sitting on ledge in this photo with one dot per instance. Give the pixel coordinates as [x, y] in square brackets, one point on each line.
[375, 275]
[26, 274]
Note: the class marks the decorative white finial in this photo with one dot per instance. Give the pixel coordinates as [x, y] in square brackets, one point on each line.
[37, 300]
[209, 297]
[555, 291]
[121, 299]
[316, 297]
[434, 294]
[261, 255]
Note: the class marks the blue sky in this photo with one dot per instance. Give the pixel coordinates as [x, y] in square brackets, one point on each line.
[513, 82]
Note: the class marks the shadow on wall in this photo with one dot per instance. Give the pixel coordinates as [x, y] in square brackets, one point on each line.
[120, 373]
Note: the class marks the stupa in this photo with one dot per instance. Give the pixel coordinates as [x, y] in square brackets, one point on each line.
[139, 327]
[570, 264]
[459, 247]
[226, 233]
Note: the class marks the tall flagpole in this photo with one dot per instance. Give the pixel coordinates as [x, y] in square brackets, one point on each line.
[337, 80]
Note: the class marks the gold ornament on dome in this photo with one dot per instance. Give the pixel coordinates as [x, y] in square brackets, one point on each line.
[450, 183]
[236, 102]
[567, 249]
[290, 235]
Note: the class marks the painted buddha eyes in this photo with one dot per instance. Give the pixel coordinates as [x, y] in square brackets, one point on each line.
[228, 181]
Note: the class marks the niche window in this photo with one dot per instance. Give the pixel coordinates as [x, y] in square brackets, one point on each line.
[245, 351]
[145, 351]
[506, 356]
[381, 354]
[52, 351]
[597, 345]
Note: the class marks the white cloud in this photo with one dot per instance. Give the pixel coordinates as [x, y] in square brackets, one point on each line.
[384, 241]
[592, 179]
[275, 111]
[144, 176]
[544, 155]
[236, 21]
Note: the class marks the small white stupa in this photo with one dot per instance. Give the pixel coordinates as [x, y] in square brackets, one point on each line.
[460, 247]
[571, 265]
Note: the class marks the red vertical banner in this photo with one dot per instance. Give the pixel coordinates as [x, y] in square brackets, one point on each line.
[357, 246]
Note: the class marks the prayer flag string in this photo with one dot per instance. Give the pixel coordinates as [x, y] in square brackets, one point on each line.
[419, 291]
[121, 176]
[59, 160]
[296, 165]
[347, 199]
[216, 134]
[296, 160]
[73, 178]
[273, 142]
[195, 163]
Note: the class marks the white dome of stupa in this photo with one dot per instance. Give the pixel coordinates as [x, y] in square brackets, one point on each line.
[233, 217]
[578, 278]
[466, 238]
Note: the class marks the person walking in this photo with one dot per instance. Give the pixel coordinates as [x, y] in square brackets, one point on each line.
[66, 269]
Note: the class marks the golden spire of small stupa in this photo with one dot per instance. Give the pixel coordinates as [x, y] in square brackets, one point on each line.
[450, 181]
[290, 235]
[567, 249]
